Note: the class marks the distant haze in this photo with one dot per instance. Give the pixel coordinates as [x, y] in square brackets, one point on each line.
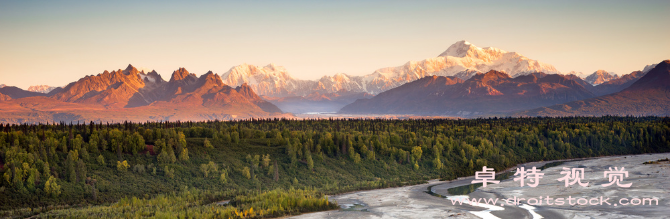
[54, 42]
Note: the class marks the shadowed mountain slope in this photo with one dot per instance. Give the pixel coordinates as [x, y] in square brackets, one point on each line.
[650, 95]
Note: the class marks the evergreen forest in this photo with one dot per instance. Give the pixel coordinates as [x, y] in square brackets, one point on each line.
[262, 168]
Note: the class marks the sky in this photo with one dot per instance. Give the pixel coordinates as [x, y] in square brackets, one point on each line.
[58, 42]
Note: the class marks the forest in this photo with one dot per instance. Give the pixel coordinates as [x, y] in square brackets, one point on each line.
[261, 168]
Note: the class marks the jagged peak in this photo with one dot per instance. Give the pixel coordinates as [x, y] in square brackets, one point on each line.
[180, 74]
[211, 74]
[130, 70]
[211, 77]
[130, 67]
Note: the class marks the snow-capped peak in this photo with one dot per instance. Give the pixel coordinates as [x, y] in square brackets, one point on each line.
[459, 49]
[600, 76]
[461, 59]
[41, 88]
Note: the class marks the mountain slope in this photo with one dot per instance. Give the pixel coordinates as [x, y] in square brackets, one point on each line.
[493, 92]
[4, 97]
[15, 92]
[113, 89]
[650, 95]
[618, 84]
[246, 91]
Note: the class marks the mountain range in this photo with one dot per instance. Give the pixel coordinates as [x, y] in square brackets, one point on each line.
[496, 93]
[462, 59]
[464, 80]
[136, 96]
[492, 92]
[648, 96]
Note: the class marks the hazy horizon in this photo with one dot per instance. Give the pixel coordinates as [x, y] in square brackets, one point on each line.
[55, 43]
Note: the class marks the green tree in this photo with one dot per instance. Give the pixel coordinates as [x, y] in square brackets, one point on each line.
[416, 153]
[63, 144]
[183, 156]
[51, 187]
[246, 173]
[159, 146]
[101, 160]
[266, 160]
[137, 143]
[208, 144]
[235, 137]
[81, 170]
[122, 166]
[168, 172]
[437, 163]
[77, 143]
[310, 162]
[224, 176]
[208, 168]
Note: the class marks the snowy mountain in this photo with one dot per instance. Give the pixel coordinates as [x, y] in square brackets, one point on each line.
[2, 85]
[462, 59]
[600, 76]
[270, 80]
[45, 89]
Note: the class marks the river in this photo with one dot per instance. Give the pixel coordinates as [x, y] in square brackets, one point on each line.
[648, 181]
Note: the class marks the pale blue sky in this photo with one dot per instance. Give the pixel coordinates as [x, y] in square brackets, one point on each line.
[57, 42]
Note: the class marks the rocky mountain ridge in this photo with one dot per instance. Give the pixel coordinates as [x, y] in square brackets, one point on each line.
[492, 92]
[647, 96]
[136, 95]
